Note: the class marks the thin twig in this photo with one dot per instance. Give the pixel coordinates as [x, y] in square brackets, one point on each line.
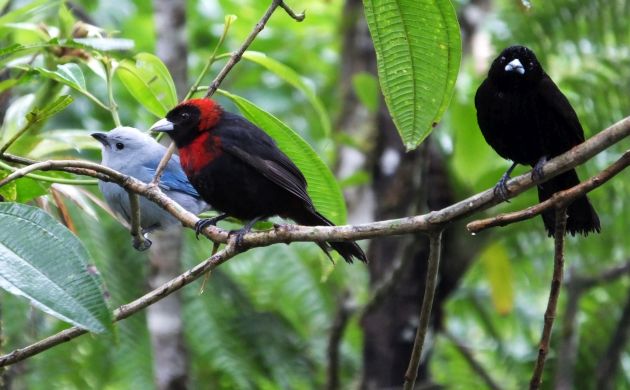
[472, 362]
[236, 57]
[435, 250]
[608, 365]
[562, 196]
[127, 310]
[568, 345]
[344, 311]
[606, 276]
[139, 242]
[554, 293]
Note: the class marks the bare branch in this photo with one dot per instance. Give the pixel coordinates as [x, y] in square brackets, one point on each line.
[554, 293]
[344, 310]
[472, 362]
[139, 242]
[126, 310]
[435, 250]
[563, 197]
[568, 346]
[611, 358]
[606, 276]
[236, 57]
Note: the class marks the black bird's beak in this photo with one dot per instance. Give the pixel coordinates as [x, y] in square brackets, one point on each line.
[101, 137]
[515, 66]
[163, 125]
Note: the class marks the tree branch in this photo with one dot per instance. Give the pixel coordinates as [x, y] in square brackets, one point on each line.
[435, 250]
[559, 197]
[236, 57]
[127, 310]
[139, 242]
[472, 362]
[554, 293]
[426, 223]
[610, 359]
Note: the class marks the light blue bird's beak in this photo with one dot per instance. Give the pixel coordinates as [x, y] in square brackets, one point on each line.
[163, 125]
[515, 66]
[101, 137]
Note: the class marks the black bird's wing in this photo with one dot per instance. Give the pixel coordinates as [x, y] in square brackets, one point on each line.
[571, 132]
[250, 144]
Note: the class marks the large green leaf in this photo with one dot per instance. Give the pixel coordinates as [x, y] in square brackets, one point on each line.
[418, 51]
[42, 261]
[149, 82]
[322, 186]
[69, 74]
[292, 77]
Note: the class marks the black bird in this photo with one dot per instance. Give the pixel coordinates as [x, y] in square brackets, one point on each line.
[525, 118]
[239, 167]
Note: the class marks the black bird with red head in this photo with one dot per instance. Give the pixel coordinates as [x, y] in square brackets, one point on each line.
[237, 167]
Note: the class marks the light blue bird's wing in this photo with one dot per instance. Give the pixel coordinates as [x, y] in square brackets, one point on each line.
[174, 178]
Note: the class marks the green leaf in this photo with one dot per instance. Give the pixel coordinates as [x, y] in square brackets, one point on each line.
[149, 82]
[322, 186]
[69, 74]
[22, 14]
[498, 269]
[418, 51]
[43, 261]
[103, 44]
[55, 107]
[292, 77]
[366, 88]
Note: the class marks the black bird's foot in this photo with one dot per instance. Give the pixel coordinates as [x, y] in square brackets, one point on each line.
[537, 172]
[203, 223]
[239, 236]
[501, 189]
[241, 232]
[141, 243]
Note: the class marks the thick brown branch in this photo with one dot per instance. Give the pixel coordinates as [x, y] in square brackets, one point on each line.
[435, 251]
[554, 293]
[562, 197]
[422, 223]
[126, 310]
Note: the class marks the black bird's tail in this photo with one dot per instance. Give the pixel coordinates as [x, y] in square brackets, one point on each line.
[347, 249]
[581, 216]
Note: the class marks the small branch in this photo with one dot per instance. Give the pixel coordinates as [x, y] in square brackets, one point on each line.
[472, 362]
[605, 276]
[344, 311]
[554, 293]
[15, 137]
[562, 196]
[609, 362]
[163, 163]
[236, 57]
[568, 348]
[139, 242]
[435, 250]
[124, 311]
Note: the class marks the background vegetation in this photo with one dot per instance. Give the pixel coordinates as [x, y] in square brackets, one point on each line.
[264, 319]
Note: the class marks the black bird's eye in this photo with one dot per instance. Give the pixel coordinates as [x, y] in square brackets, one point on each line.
[185, 115]
[120, 146]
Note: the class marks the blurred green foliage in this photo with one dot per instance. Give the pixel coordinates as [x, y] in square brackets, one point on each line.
[264, 318]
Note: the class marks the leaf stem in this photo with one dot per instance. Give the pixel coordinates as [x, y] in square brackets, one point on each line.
[113, 107]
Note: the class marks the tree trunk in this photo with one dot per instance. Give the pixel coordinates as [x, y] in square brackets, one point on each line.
[170, 361]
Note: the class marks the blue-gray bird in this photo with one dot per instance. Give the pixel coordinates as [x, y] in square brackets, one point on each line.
[136, 154]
